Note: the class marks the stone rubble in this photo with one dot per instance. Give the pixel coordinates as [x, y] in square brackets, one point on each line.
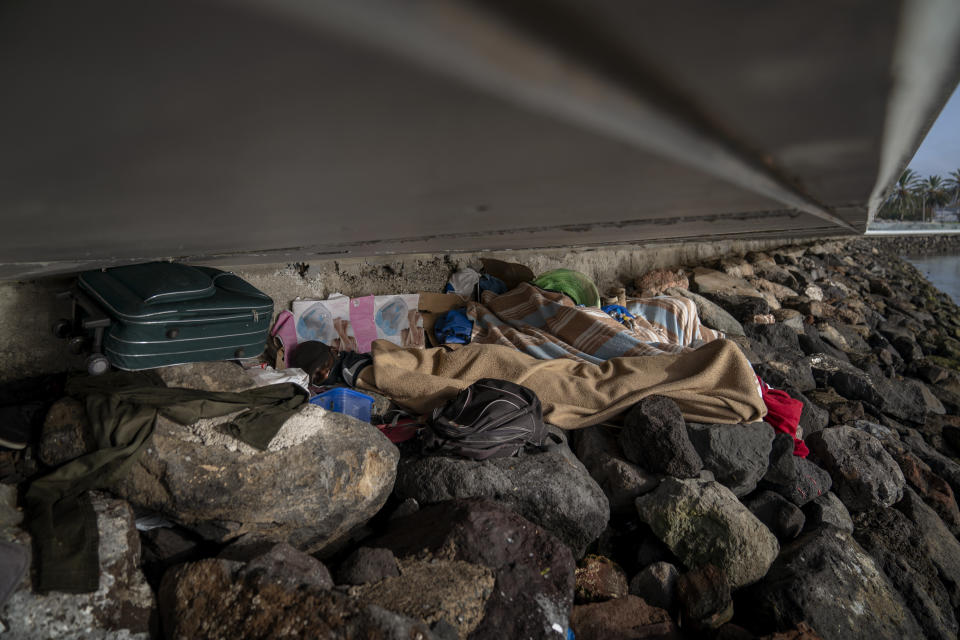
[647, 527]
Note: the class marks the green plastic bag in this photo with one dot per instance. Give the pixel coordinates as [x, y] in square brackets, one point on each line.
[579, 287]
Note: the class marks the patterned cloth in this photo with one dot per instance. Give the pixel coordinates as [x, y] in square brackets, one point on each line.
[547, 325]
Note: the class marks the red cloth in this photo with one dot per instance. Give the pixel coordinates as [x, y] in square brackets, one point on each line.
[783, 414]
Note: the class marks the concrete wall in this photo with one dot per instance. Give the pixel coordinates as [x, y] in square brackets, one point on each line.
[28, 310]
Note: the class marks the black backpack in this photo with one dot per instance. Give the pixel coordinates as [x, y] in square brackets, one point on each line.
[489, 419]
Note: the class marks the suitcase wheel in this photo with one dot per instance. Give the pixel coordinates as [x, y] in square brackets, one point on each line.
[62, 328]
[97, 364]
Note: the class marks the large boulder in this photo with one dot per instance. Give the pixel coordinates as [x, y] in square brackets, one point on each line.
[781, 516]
[550, 488]
[796, 479]
[218, 598]
[827, 580]
[738, 455]
[704, 598]
[656, 282]
[628, 618]
[622, 481]
[599, 578]
[367, 565]
[533, 571]
[827, 510]
[934, 490]
[864, 475]
[707, 281]
[936, 542]
[894, 543]
[704, 523]
[945, 467]
[711, 314]
[902, 401]
[657, 584]
[654, 435]
[323, 474]
[450, 593]
[779, 337]
[120, 608]
[784, 370]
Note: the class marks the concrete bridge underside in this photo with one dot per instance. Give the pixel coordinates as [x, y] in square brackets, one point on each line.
[278, 130]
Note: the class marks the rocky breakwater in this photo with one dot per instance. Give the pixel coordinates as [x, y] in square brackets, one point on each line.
[648, 528]
[734, 533]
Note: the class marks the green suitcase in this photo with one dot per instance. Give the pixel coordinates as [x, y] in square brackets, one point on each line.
[161, 313]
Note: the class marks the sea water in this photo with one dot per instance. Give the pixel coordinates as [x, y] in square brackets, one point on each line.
[942, 271]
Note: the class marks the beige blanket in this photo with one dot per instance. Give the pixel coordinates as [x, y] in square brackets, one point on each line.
[713, 384]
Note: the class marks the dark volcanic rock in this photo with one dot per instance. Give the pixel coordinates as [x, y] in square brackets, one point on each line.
[550, 488]
[864, 475]
[742, 307]
[656, 584]
[66, 433]
[534, 571]
[367, 565]
[622, 481]
[628, 618]
[811, 343]
[164, 547]
[899, 400]
[907, 347]
[448, 595]
[711, 314]
[777, 336]
[217, 598]
[934, 490]
[598, 579]
[704, 598]
[827, 580]
[737, 455]
[940, 464]
[893, 541]
[655, 436]
[781, 374]
[827, 510]
[704, 523]
[936, 542]
[289, 567]
[796, 479]
[779, 514]
[814, 417]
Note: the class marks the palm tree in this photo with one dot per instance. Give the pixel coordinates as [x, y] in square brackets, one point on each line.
[903, 196]
[932, 191]
[952, 185]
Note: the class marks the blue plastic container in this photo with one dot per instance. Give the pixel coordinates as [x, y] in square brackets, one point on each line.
[345, 400]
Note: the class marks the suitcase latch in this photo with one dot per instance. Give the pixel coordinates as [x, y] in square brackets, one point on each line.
[256, 316]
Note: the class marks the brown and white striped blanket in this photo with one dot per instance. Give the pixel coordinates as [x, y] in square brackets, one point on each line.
[547, 325]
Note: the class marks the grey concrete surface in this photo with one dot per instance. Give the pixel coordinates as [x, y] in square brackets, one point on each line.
[243, 131]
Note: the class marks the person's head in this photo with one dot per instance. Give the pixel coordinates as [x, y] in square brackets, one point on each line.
[315, 358]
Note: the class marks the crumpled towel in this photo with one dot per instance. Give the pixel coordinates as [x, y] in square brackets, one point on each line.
[783, 414]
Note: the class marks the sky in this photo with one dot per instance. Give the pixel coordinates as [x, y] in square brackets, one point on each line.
[939, 153]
